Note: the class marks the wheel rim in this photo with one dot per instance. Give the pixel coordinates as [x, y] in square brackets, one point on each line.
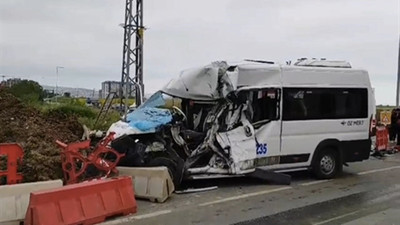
[327, 164]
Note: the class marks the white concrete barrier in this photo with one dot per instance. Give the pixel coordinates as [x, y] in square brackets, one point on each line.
[14, 199]
[153, 183]
[11, 223]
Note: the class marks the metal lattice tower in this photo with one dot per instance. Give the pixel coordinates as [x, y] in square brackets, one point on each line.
[132, 53]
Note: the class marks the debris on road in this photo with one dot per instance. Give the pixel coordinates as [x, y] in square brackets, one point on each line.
[270, 176]
[194, 190]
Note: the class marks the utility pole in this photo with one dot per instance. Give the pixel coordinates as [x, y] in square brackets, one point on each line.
[57, 67]
[132, 52]
[398, 78]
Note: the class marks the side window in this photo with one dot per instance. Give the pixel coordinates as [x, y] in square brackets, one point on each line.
[356, 103]
[294, 105]
[324, 103]
[265, 105]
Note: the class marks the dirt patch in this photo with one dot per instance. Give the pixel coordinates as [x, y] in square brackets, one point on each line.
[36, 133]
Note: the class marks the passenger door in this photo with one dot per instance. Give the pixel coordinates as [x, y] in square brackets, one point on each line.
[257, 141]
[267, 124]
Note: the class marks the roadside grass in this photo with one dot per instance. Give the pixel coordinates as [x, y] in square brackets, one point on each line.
[104, 123]
[86, 115]
[32, 95]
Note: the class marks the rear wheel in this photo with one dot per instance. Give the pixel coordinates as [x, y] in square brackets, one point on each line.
[327, 164]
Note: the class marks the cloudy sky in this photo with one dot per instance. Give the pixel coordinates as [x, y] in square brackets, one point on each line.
[84, 36]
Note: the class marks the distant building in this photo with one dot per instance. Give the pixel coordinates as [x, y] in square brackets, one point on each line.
[75, 92]
[11, 82]
[114, 86]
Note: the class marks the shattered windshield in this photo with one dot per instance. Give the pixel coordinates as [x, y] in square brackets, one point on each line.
[153, 113]
[161, 100]
[155, 101]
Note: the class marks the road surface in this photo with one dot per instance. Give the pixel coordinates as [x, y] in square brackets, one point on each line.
[366, 193]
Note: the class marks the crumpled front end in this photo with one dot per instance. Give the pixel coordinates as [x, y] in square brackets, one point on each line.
[209, 83]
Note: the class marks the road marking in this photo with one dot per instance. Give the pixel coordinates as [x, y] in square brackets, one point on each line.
[129, 219]
[153, 214]
[336, 218]
[314, 182]
[386, 197]
[245, 196]
[378, 170]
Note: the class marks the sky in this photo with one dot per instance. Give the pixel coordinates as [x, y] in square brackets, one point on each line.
[85, 37]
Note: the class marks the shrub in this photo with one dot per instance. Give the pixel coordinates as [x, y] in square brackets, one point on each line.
[73, 110]
[104, 123]
[86, 115]
[27, 91]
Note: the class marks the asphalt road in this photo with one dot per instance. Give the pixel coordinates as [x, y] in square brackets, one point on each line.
[366, 193]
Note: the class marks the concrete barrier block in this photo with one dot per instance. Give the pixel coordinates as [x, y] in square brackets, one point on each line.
[14, 199]
[11, 223]
[153, 183]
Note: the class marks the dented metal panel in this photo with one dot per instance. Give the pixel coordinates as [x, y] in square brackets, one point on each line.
[241, 144]
[218, 79]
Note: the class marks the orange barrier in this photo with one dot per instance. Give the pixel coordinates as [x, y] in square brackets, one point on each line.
[382, 138]
[84, 203]
[14, 155]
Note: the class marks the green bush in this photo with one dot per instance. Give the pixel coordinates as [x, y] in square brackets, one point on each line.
[27, 91]
[102, 124]
[86, 115]
[70, 101]
[72, 110]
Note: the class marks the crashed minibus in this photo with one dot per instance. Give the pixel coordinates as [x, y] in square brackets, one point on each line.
[227, 119]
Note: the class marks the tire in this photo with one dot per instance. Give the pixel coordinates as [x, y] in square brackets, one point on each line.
[327, 164]
[175, 171]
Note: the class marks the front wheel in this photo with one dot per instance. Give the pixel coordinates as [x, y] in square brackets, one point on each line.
[174, 168]
[327, 164]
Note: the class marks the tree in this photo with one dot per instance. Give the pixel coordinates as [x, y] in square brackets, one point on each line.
[28, 91]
